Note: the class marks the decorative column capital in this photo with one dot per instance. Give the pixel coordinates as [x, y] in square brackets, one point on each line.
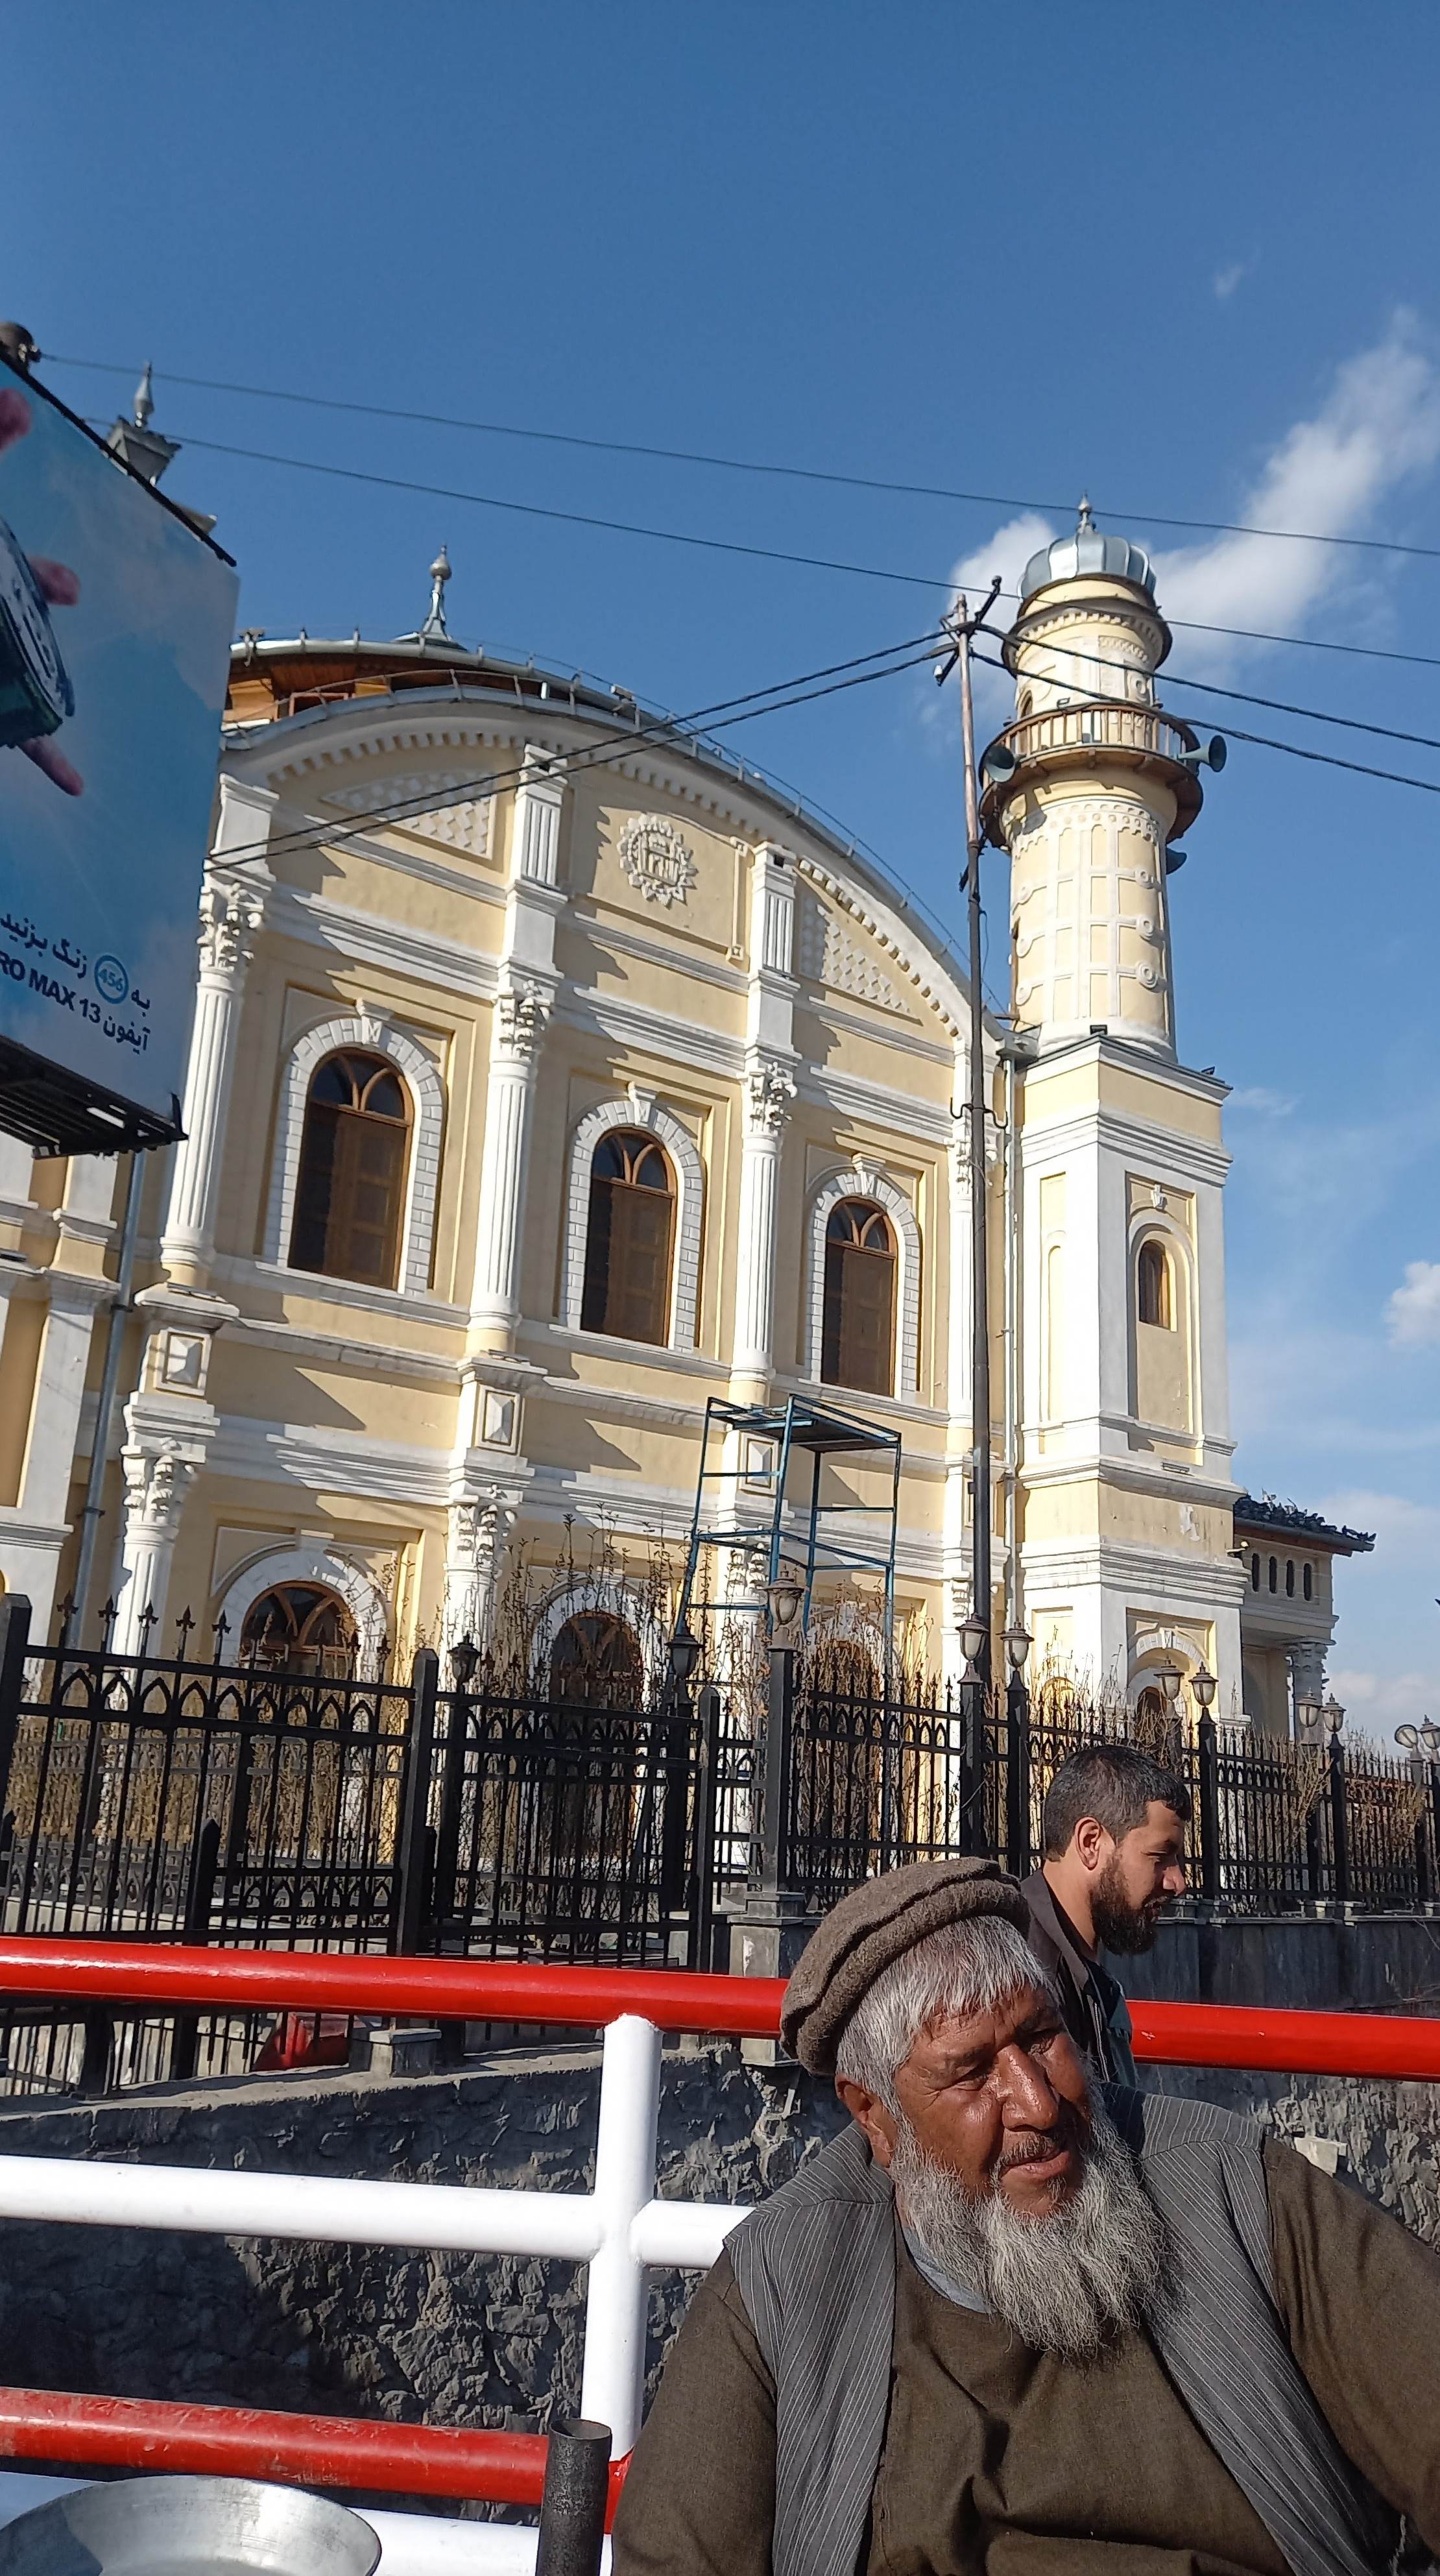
[521, 1011]
[232, 912]
[769, 1091]
[157, 1482]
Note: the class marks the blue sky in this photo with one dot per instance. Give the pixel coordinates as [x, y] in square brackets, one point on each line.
[1181, 258]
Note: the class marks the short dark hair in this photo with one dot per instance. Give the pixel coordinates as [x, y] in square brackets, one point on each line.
[1116, 1783]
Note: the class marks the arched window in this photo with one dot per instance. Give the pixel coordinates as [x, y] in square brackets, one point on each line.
[1153, 1302]
[1274, 1571]
[1290, 1578]
[299, 1628]
[1308, 1582]
[857, 1341]
[628, 1239]
[1254, 1573]
[350, 1195]
[595, 1662]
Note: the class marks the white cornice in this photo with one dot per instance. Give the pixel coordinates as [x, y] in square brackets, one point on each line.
[854, 1097]
[346, 1462]
[317, 1288]
[1156, 1149]
[680, 960]
[1145, 1574]
[377, 1359]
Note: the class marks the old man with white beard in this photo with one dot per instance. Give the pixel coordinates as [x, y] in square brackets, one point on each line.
[1013, 2323]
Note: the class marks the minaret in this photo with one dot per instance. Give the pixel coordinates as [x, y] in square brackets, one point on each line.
[1089, 789]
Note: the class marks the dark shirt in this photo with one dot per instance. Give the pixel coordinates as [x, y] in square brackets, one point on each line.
[1091, 2000]
[999, 2461]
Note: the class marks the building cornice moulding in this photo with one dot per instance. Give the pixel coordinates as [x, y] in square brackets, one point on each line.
[370, 939]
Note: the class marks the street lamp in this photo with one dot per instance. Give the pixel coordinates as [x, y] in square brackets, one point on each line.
[463, 1659]
[1307, 1717]
[1203, 1685]
[972, 1639]
[785, 1599]
[1018, 1642]
[684, 1655]
[1334, 1716]
[1170, 1680]
[1430, 1737]
[1408, 1737]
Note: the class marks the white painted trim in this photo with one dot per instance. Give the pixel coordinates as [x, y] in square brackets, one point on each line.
[886, 1194]
[422, 1180]
[648, 1116]
[310, 1565]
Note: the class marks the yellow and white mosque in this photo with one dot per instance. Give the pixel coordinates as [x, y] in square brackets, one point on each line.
[551, 1074]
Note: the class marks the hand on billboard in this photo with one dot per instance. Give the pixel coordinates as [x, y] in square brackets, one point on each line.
[58, 586]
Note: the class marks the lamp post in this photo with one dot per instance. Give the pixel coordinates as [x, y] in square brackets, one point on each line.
[767, 1939]
[683, 1656]
[1202, 1683]
[1422, 1743]
[1017, 1751]
[960, 627]
[974, 1636]
[1333, 1717]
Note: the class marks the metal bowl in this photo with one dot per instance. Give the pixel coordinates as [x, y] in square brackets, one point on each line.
[188, 2527]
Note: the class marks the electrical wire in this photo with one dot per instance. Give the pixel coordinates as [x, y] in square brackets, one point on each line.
[1241, 697]
[748, 465]
[1297, 751]
[619, 744]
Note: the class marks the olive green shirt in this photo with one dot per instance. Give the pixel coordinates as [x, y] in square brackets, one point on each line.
[1012, 2462]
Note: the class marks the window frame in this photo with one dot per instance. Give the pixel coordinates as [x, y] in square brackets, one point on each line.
[346, 1174]
[869, 1183]
[616, 1294]
[364, 1035]
[840, 1260]
[647, 1117]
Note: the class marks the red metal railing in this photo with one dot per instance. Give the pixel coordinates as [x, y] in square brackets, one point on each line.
[509, 2467]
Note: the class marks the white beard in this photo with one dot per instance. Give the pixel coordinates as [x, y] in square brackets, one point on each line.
[1069, 2282]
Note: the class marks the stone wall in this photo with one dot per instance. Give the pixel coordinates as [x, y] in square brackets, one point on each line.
[1327, 1963]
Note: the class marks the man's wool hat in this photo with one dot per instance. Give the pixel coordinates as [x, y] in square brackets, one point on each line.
[872, 1927]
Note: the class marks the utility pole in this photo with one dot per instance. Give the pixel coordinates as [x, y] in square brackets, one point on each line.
[960, 627]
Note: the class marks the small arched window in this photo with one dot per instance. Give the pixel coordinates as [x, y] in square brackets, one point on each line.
[595, 1662]
[1023, 705]
[628, 1239]
[351, 1191]
[1274, 1572]
[299, 1628]
[857, 1343]
[1290, 1578]
[1254, 1573]
[1153, 1302]
[1308, 1582]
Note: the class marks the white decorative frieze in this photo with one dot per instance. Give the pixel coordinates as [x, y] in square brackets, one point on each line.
[461, 825]
[829, 955]
[656, 860]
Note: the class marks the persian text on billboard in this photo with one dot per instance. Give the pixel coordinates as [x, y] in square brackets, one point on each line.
[115, 623]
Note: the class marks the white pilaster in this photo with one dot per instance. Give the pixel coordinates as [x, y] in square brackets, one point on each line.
[157, 1481]
[232, 910]
[769, 1090]
[528, 979]
[59, 1391]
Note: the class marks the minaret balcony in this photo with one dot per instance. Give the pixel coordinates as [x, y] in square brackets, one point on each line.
[1081, 735]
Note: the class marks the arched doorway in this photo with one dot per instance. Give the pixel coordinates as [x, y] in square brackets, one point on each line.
[300, 1628]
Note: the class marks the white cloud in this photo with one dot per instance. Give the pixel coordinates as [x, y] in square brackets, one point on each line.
[1261, 1103]
[1406, 1534]
[1227, 279]
[1378, 427]
[1413, 1312]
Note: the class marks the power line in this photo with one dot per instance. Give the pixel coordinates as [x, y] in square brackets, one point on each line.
[1241, 697]
[766, 554]
[1297, 751]
[616, 745]
[749, 465]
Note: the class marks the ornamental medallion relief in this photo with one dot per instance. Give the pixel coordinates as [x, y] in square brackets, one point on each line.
[656, 860]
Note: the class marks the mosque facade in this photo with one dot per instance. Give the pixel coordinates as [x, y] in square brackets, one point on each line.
[552, 1074]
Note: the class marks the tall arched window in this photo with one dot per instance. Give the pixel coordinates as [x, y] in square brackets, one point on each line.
[299, 1628]
[350, 1196]
[595, 1662]
[1153, 1302]
[857, 1343]
[629, 1239]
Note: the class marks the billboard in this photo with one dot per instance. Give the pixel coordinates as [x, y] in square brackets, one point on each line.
[115, 625]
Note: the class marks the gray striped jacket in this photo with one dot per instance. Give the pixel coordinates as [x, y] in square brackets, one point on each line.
[815, 2267]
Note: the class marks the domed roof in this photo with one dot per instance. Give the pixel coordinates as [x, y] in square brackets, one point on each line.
[1088, 550]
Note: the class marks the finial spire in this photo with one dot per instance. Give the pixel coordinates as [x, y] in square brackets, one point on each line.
[439, 575]
[144, 398]
[1086, 518]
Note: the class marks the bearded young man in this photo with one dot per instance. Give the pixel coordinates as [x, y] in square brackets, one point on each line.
[1114, 1830]
[1007, 2326]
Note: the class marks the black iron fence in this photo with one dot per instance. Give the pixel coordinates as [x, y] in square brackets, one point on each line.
[176, 1798]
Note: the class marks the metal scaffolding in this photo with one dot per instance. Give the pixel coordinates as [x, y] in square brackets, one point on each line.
[754, 1491]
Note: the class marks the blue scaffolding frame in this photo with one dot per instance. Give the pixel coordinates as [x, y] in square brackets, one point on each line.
[732, 1509]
